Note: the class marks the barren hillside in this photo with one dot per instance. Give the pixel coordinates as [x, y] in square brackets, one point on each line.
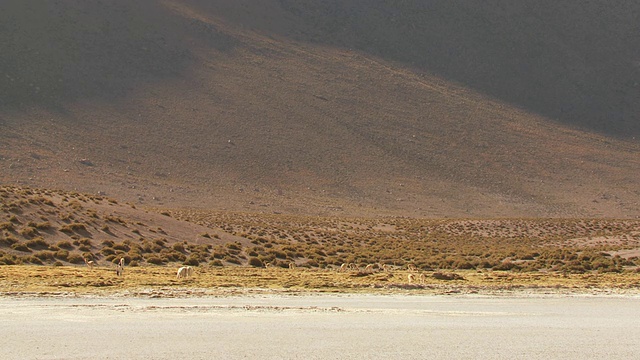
[434, 109]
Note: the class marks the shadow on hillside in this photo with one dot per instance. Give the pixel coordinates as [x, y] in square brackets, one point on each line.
[53, 52]
[576, 62]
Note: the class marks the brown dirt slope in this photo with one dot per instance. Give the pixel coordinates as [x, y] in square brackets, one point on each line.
[499, 109]
[44, 226]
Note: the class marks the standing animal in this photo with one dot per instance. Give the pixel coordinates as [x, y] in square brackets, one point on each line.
[90, 263]
[184, 272]
[411, 278]
[422, 277]
[120, 267]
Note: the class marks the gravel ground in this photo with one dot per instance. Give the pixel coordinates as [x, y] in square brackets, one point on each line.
[305, 326]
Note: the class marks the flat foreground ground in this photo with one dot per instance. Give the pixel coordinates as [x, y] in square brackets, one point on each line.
[321, 326]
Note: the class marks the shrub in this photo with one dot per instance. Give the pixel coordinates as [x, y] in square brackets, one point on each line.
[107, 243]
[75, 258]
[255, 262]
[232, 260]
[64, 244]
[85, 241]
[280, 254]
[28, 231]
[45, 255]
[69, 228]
[43, 225]
[7, 240]
[37, 243]
[310, 263]
[191, 261]
[216, 263]
[156, 260]
[62, 255]
[6, 226]
[133, 255]
[447, 276]
[178, 247]
[9, 259]
[505, 266]
[107, 251]
[33, 260]
[122, 247]
[84, 248]
[20, 247]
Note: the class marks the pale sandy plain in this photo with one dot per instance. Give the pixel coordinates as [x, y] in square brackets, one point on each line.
[322, 326]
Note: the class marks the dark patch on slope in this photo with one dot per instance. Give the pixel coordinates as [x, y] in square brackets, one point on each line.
[575, 62]
[53, 52]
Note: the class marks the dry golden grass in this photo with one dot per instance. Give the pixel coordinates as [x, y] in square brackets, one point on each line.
[41, 226]
[162, 281]
[232, 250]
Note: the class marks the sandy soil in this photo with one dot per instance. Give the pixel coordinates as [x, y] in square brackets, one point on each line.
[347, 326]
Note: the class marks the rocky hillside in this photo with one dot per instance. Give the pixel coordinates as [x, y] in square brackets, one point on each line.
[440, 108]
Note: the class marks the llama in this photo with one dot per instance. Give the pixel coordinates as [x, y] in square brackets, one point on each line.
[411, 278]
[120, 267]
[369, 268]
[292, 265]
[184, 272]
[411, 267]
[422, 277]
[90, 263]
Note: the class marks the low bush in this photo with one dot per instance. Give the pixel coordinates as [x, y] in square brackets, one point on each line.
[20, 247]
[192, 261]
[64, 244]
[156, 260]
[62, 255]
[75, 258]
[255, 262]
